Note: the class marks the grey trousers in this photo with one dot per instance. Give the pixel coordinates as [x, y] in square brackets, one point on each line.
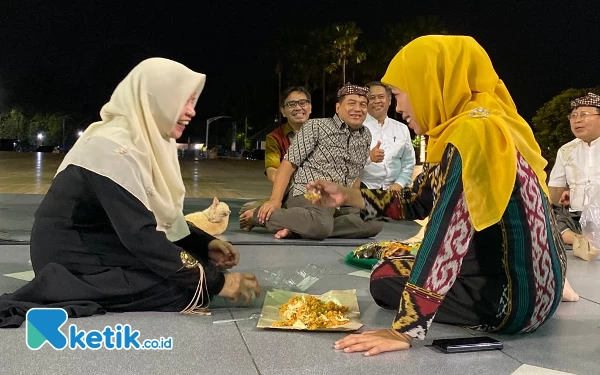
[314, 222]
[567, 220]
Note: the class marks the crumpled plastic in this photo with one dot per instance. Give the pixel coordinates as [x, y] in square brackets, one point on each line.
[590, 216]
[297, 280]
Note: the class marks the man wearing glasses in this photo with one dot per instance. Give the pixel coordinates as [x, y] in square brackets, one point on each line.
[333, 149]
[577, 165]
[296, 107]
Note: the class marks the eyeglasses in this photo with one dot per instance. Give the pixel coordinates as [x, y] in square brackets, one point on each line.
[582, 116]
[292, 103]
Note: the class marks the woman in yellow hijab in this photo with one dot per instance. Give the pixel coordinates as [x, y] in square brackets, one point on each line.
[491, 257]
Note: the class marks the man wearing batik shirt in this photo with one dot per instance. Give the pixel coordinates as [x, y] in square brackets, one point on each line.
[333, 149]
[577, 165]
[296, 107]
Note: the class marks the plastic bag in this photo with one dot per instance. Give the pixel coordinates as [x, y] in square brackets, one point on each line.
[590, 215]
[298, 280]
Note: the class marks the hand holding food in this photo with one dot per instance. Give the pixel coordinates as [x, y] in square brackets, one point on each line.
[312, 195]
[329, 193]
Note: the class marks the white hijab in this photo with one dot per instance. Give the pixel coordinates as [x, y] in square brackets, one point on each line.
[131, 145]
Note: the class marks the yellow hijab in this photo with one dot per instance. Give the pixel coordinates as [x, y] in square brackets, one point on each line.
[458, 98]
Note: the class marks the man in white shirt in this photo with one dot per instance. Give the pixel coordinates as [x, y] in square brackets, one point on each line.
[577, 165]
[391, 161]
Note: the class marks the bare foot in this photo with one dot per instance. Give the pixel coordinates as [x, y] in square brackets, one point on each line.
[569, 294]
[284, 233]
[247, 221]
[250, 206]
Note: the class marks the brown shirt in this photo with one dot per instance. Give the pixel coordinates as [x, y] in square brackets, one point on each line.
[276, 145]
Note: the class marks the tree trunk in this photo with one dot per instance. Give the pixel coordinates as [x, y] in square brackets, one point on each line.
[343, 72]
[278, 91]
[323, 87]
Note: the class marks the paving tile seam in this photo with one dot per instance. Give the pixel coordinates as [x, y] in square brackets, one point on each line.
[8, 242]
[299, 244]
[589, 300]
[246, 346]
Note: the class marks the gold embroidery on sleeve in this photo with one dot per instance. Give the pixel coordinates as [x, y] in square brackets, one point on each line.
[197, 306]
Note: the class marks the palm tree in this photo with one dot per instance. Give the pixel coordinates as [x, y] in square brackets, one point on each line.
[401, 34]
[345, 36]
[320, 55]
[280, 47]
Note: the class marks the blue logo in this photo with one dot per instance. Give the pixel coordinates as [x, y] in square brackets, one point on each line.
[44, 326]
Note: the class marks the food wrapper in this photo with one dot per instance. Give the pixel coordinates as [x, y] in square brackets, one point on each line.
[367, 255]
[276, 298]
[382, 249]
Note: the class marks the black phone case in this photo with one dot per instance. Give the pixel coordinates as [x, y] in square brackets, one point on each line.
[467, 344]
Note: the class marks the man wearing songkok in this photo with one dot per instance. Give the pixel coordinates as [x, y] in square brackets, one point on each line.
[334, 149]
[577, 165]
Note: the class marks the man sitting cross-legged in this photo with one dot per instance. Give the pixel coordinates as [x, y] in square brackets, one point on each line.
[576, 166]
[333, 149]
[295, 106]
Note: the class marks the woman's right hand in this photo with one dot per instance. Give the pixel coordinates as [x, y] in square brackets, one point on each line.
[331, 194]
[240, 284]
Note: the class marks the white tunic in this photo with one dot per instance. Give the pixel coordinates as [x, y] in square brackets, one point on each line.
[577, 166]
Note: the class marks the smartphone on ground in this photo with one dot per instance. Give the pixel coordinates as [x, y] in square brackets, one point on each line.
[467, 344]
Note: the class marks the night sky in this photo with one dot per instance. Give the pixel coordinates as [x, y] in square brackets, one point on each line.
[69, 55]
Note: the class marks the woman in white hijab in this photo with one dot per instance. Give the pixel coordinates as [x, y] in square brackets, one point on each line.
[110, 235]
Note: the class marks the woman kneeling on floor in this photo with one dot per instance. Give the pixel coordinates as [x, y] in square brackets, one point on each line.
[491, 257]
[110, 235]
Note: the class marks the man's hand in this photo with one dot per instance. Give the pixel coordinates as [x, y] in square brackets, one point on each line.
[376, 153]
[395, 187]
[565, 198]
[374, 342]
[223, 254]
[267, 208]
[327, 193]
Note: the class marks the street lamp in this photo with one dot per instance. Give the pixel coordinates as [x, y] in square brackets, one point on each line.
[208, 123]
[197, 148]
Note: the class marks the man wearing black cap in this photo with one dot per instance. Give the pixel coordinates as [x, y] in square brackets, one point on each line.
[333, 149]
[577, 165]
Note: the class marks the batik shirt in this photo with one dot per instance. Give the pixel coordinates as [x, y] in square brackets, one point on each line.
[327, 149]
